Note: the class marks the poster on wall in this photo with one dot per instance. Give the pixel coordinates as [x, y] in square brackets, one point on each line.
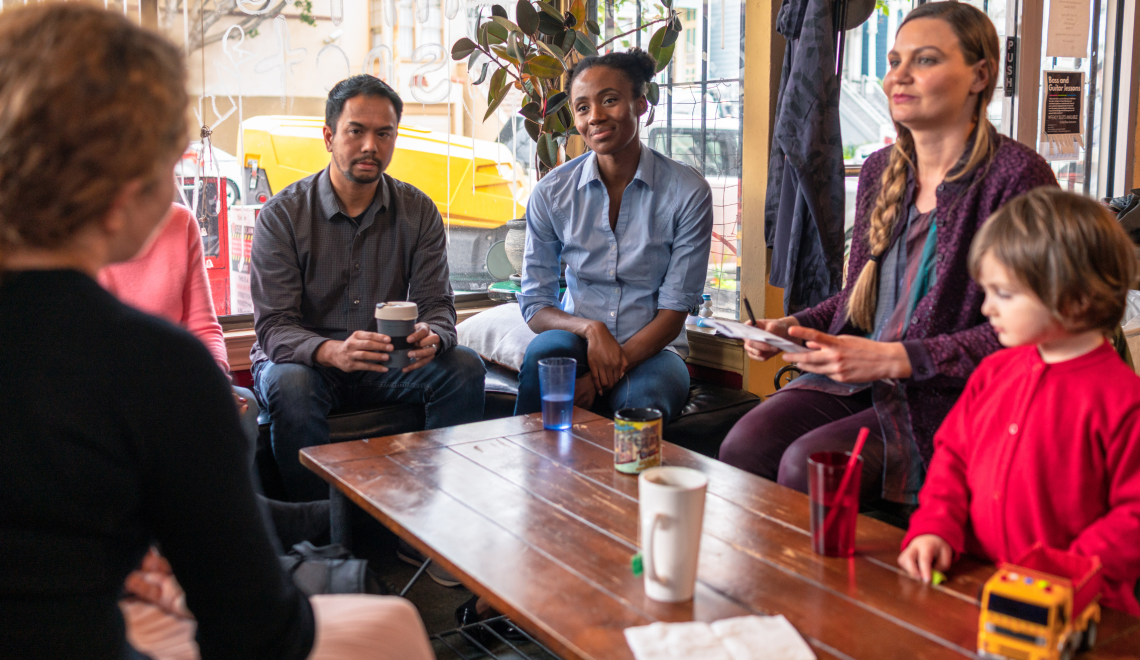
[1068, 29]
[1063, 116]
[242, 221]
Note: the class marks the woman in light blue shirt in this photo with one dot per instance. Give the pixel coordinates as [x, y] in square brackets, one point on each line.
[634, 228]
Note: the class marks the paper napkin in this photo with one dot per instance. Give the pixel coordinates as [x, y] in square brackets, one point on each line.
[741, 638]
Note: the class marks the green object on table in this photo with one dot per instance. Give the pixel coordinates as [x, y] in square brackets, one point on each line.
[938, 578]
[636, 565]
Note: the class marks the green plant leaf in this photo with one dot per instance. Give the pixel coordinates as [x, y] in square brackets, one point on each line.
[668, 3]
[550, 49]
[555, 102]
[670, 37]
[570, 21]
[550, 10]
[545, 66]
[568, 40]
[510, 27]
[535, 93]
[676, 26]
[550, 26]
[532, 129]
[649, 119]
[664, 55]
[462, 48]
[482, 75]
[652, 93]
[527, 16]
[655, 41]
[513, 49]
[531, 111]
[567, 118]
[498, 92]
[573, 130]
[498, 10]
[503, 53]
[585, 47]
[578, 11]
[553, 124]
[547, 151]
[592, 26]
[495, 34]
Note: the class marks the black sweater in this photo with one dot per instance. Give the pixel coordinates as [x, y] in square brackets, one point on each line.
[116, 430]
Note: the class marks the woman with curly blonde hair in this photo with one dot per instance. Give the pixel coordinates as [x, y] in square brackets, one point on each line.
[892, 350]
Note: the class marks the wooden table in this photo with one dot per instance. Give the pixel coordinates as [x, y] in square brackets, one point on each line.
[540, 524]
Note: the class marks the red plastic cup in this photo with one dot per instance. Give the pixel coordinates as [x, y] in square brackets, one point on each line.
[833, 535]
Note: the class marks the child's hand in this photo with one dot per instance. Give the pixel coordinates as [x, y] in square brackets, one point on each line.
[926, 553]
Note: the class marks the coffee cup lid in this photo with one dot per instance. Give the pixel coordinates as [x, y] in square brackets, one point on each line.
[396, 311]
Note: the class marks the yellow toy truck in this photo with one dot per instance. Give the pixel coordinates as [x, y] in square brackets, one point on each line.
[1044, 606]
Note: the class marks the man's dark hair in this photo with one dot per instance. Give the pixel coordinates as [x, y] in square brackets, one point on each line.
[361, 85]
[637, 65]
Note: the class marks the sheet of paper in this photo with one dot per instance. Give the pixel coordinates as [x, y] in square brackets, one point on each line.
[1062, 120]
[736, 330]
[762, 638]
[740, 638]
[1068, 30]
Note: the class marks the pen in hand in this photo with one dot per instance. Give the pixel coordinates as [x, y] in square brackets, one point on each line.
[748, 308]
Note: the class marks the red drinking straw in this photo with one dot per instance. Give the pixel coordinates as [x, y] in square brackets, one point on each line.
[841, 492]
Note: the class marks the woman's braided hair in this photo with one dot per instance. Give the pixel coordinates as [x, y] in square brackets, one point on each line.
[978, 40]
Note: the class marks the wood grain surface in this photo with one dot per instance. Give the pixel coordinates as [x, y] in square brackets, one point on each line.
[540, 524]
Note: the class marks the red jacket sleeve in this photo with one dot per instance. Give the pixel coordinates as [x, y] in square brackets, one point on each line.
[1115, 538]
[944, 501]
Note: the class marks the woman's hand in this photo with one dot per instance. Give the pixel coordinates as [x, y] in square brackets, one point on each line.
[154, 583]
[926, 554]
[758, 350]
[605, 357]
[848, 359]
[584, 392]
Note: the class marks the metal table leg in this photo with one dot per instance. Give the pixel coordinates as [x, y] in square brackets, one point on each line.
[340, 520]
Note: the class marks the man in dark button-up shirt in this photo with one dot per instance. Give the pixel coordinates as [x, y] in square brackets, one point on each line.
[326, 250]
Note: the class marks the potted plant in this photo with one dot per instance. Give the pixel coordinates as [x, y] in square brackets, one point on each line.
[534, 55]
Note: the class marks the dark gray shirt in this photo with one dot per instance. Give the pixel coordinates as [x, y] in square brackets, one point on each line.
[318, 273]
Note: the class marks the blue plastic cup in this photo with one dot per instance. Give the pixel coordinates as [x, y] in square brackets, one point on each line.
[556, 378]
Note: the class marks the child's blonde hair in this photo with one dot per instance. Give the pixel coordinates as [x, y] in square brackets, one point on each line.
[1069, 250]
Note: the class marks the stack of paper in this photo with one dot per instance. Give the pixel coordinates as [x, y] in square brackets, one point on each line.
[742, 638]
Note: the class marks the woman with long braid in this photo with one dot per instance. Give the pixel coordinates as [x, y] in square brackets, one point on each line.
[893, 349]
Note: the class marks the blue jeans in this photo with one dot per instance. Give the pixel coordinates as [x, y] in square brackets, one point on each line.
[661, 382]
[299, 399]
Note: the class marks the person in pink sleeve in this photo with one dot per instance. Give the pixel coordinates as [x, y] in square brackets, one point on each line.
[1044, 444]
[168, 279]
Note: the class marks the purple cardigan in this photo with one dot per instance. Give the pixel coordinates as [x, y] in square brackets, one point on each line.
[948, 335]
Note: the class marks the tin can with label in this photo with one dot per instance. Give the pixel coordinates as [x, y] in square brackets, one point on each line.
[637, 439]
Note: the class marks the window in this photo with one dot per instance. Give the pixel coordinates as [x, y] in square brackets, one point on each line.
[698, 120]
[259, 83]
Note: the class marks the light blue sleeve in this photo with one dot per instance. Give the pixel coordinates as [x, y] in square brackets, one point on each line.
[688, 263]
[540, 259]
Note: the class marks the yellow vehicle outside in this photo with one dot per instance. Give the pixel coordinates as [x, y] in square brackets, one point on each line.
[1028, 615]
[470, 181]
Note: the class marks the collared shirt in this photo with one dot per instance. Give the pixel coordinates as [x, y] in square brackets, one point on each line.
[317, 273]
[656, 257]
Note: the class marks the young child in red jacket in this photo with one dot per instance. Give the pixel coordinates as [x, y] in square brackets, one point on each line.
[1044, 444]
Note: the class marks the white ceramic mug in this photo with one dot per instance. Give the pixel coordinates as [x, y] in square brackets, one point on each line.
[672, 511]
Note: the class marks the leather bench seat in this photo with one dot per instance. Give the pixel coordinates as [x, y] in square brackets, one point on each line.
[706, 418]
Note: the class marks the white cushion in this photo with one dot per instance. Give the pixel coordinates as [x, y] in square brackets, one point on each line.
[499, 334]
